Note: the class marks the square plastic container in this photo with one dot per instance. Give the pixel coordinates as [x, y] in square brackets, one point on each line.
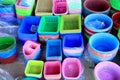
[70, 24]
[7, 1]
[52, 70]
[54, 51]
[59, 7]
[74, 6]
[34, 68]
[49, 25]
[24, 11]
[43, 7]
[73, 45]
[31, 50]
[28, 29]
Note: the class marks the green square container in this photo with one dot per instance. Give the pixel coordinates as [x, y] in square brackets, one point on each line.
[7, 1]
[24, 11]
[49, 25]
[70, 24]
[34, 68]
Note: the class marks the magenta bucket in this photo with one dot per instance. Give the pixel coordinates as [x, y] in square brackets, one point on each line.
[107, 71]
[96, 6]
[72, 69]
[59, 7]
[52, 70]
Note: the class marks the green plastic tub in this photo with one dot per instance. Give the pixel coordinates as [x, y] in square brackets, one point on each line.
[34, 68]
[7, 1]
[115, 4]
[70, 24]
[49, 25]
[24, 11]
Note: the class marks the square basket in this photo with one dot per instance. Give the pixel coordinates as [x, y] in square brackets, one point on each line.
[43, 7]
[70, 24]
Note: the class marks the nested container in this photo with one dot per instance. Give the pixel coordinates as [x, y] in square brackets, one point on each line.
[53, 50]
[31, 50]
[72, 69]
[96, 23]
[70, 24]
[115, 6]
[74, 6]
[118, 34]
[7, 49]
[59, 7]
[34, 68]
[43, 7]
[73, 45]
[116, 20]
[107, 71]
[52, 70]
[49, 28]
[28, 29]
[96, 6]
[7, 1]
[29, 78]
[102, 47]
[23, 10]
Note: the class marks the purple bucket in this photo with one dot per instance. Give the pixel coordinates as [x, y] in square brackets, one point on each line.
[107, 71]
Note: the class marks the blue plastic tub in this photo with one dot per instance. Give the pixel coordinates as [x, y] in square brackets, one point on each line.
[98, 23]
[53, 50]
[103, 45]
[28, 29]
[73, 45]
[29, 78]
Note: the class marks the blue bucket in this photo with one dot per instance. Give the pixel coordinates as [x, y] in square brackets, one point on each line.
[28, 29]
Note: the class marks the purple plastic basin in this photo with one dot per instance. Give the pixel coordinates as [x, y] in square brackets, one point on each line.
[107, 71]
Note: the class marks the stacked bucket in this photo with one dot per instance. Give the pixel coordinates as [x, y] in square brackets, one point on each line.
[73, 45]
[102, 47]
[28, 29]
[23, 10]
[7, 49]
[96, 23]
[49, 28]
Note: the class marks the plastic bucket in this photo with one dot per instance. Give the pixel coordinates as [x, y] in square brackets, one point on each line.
[116, 20]
[34, 68]
[53, 50]
[103, 45]
[59, 7]
[31, 50]
[28, 29]
[72, 69]
[97, 23]
[107, 71]
[96, 6]
[52, 70]
[73, 45]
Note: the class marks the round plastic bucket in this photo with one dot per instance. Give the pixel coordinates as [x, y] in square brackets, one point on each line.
[107, 71]
[104, 45]
[98, 23]
[116, 20]
[96, 6]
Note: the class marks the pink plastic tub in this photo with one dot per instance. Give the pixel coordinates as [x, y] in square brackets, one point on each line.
[31, 50]
[72, 69]
[52, 70]
[59, 7]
